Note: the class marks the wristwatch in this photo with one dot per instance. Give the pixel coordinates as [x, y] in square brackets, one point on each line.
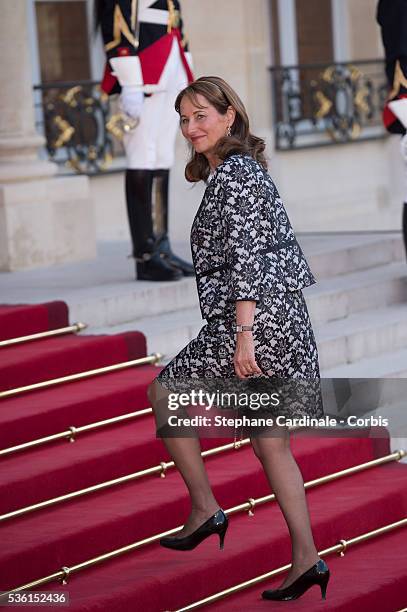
[241, 328]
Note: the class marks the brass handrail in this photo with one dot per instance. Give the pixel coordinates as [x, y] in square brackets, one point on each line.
[163, 467]
[70, 329]
[73, 431]
[160, 469]
[252, 503]
[65, 571]
[153, 358]
[340, 548]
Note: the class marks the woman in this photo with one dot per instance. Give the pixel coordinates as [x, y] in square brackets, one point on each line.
[250, 271]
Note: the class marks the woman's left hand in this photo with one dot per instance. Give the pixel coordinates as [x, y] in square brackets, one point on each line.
[244, 360]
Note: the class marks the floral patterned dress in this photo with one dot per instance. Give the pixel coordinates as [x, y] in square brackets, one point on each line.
[244, 248]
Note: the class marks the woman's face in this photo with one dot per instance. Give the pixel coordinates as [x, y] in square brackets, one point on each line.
[203, 125]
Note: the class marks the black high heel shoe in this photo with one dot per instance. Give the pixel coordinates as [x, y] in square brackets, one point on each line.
[218, 523]
[317, 574]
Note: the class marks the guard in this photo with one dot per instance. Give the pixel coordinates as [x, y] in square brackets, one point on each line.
[392, 17]
[148, 63]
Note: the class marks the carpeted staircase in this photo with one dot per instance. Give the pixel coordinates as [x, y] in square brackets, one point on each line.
[36, 543]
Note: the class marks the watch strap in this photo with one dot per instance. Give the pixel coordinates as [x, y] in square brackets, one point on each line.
[241, 328]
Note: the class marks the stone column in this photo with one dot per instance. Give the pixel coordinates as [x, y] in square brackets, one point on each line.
[43, 219]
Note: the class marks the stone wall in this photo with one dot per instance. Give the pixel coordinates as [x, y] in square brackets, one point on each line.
[356, 186]
[44, 220]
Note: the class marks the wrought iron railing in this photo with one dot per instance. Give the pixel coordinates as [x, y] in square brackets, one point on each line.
[81, 126]
[313, 104]
[320, 104]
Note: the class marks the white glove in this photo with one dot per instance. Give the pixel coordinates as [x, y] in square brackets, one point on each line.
[132, 100]
[403, 147]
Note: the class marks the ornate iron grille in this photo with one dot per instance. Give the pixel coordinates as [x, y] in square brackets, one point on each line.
[81, 128]
[319, 104]
[314, 105]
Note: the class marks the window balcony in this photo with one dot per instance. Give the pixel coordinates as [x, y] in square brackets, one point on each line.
[82, 127]
[328, 104]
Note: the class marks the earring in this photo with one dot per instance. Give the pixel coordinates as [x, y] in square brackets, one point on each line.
[228, 131]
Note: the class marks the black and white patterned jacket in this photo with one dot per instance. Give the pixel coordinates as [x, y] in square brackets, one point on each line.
[243, 246]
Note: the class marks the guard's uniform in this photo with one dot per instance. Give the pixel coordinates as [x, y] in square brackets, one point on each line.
[392, 17]
[147, 52]
[146, 46]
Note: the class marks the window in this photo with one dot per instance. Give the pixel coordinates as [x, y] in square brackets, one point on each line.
[62, 33]
[302, 34]
[314, 31]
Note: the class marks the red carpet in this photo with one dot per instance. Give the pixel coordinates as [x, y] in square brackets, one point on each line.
[77, 403]
[371, 576]
[54, 357]
[26, 319]
[356, 583]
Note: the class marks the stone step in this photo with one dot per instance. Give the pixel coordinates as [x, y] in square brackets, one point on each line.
[344, 342]
[329, 300]
[115, 304]
[362, 335]
[103, 292]
[331, 255]
[165, 334]
[122, 303]
[389, 371]
[340, 296]
[385, 365]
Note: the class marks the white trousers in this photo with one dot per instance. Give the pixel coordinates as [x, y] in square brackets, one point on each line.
[151, 145]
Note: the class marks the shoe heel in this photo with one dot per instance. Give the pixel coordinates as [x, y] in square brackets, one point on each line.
[323, 586]
[222, 538]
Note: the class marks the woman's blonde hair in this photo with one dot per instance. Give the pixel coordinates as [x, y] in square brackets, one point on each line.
[221, 96]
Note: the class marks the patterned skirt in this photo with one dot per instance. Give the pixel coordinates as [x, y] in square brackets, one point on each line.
[285, 351]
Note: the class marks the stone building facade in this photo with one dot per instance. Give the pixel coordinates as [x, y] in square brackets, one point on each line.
[327, 185]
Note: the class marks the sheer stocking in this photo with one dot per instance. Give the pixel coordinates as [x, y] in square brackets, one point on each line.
[186, 454]
[286, 481]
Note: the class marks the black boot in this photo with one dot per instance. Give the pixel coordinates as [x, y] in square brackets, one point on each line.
[162, 183]
[150, 264]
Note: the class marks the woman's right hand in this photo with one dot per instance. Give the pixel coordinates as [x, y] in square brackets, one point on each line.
[244, 359]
